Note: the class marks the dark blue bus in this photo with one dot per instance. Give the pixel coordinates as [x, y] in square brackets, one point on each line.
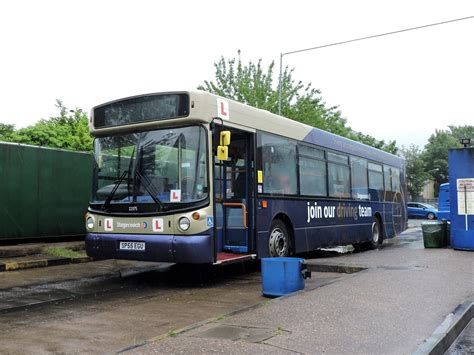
[190, 177]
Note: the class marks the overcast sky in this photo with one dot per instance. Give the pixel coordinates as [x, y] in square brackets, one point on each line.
[398, 87]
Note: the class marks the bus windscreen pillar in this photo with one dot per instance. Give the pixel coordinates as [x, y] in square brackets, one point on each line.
[461, 180]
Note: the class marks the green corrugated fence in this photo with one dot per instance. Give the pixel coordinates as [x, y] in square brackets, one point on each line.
[43, 191]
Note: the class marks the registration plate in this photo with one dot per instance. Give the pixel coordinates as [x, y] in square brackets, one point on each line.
[132, 246]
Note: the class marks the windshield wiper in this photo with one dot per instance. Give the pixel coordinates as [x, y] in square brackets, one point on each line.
[114, 190]
[146, 183]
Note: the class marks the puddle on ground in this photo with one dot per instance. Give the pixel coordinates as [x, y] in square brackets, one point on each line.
[336, 268]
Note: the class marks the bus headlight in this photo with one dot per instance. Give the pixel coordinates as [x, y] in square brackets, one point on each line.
[90, 223]
[184, 224]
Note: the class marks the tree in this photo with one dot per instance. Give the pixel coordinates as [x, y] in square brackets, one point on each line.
[253, 85]
[460, 132]
[69, 130]
[435, 156]
[6, 132]
[415, 170]
[390, 147]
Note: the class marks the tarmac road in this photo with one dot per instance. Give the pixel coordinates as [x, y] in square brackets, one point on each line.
[390, 307]
[106, 314]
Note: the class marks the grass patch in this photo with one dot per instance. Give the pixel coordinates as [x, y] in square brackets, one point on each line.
[172, 333]
[63, 252]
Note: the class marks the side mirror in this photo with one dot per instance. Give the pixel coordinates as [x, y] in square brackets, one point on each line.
[222, 152]
[225, 138]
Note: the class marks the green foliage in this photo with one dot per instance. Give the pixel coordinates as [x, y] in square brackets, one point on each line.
[435, 155]
[6, 132]
[416, 176]
[253, 85]
[69, 130]
[460, 132]
[390, 147]
[172, 334]
[64, 252]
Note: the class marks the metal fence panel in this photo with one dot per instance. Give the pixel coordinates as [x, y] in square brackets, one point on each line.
[43, 191]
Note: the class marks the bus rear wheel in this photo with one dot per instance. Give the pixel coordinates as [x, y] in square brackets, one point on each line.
[376, 237]
[279, 239]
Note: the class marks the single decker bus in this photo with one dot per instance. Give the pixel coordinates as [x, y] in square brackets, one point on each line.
[191, 177]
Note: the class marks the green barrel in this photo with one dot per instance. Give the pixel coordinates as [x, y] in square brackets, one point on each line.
[434, 234]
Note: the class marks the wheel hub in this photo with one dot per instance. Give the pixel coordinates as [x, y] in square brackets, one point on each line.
[375, 233]
[278, 243]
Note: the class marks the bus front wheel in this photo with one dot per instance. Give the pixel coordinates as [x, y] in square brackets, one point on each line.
[279, 240]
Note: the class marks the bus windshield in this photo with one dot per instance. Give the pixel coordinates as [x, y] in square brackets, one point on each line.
[153, 167]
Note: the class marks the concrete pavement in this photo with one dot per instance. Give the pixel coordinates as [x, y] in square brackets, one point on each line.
[391, 307]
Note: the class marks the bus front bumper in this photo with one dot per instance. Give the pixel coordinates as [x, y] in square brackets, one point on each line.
[194, 249]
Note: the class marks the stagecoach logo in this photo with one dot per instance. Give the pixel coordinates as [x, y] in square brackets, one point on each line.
[129, 225]
[342, 210]
[109, 224]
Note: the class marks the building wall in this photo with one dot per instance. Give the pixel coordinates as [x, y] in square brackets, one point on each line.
[428, 192]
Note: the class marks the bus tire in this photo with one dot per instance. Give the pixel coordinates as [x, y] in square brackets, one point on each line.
[377, 236]
[279, 239]
[375, 240]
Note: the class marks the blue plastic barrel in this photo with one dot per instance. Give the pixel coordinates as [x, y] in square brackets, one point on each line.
[281, 276]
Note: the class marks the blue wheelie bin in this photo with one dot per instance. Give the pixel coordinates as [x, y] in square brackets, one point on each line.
[281, 276]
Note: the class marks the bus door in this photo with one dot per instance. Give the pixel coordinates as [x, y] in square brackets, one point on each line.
[234, 195]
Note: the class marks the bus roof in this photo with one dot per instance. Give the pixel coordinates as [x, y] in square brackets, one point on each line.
[204, 107]
[263, 120]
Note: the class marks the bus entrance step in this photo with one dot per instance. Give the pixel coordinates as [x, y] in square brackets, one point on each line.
[227, 258]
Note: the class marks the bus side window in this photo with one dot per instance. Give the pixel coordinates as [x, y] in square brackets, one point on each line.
[279, 165]
[395, 179]
[338, 175]
[359, 178]
[387, 176]
[312, 169]
[375, 182]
